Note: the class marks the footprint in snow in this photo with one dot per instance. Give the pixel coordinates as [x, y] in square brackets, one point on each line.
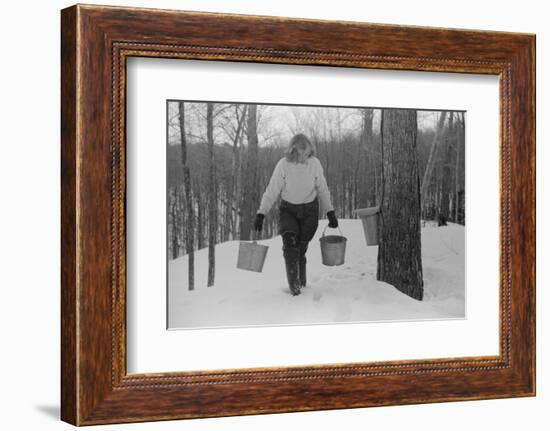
[341, 276]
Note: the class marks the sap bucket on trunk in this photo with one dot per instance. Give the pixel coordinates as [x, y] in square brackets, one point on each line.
[251, 256]
[369, 218]
[333, 248]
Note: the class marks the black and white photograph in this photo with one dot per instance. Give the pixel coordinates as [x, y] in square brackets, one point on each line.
[296, 214]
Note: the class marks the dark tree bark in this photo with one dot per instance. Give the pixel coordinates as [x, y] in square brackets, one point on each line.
[399, 251]
[212, 196]
[250, 198]
[190, 222]
[174, 216]
[200, 217]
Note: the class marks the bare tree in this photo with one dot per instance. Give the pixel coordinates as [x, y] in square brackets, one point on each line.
[399, 251]
[234, 181]
[201, 217]
[174, 234]
[432, 157]
[459, 187]
[212, 195]
[445, 169]
[368, 145]
[190, 225]
[250, 197]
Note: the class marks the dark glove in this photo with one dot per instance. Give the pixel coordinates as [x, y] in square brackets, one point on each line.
[259, 222]
[332, 220]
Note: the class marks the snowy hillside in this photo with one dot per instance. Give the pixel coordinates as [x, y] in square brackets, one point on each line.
[347, 293]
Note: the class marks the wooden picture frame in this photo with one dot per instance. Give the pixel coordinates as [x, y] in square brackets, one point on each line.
[95, 43]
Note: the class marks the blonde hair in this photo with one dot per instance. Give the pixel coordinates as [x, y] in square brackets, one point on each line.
[298, 142]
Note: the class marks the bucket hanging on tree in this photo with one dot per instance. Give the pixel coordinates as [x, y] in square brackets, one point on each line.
[333, 248]
[251, 255]
[369, 218]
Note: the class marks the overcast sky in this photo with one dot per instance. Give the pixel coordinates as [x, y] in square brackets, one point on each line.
[278, 123]
[289, 119]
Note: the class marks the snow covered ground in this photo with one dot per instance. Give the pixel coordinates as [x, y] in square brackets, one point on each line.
[347, 293]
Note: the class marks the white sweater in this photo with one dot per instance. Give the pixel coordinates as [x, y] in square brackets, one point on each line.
[297, 183]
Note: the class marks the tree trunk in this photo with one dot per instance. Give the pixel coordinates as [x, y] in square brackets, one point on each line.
[431, 158]
[174, 216]
[250, 198]
[457, 165]
[368, 144]
[444, 214]
[235, 172]
[399, 251]
[190, 225]
[201, 217]
[212, 196]
[461, 193]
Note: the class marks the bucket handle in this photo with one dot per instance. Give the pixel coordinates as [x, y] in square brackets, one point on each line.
[339, 230]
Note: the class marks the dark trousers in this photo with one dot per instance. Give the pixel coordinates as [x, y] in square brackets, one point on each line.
[297, 226]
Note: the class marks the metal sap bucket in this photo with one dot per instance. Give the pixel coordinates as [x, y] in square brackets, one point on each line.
[369, 217]
[333, 248]
[251, 256]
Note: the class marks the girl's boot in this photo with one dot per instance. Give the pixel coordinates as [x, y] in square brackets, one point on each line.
[291, 254]
[292, 269]
[302, 263]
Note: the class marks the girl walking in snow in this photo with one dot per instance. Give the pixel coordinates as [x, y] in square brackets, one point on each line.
[299, 180]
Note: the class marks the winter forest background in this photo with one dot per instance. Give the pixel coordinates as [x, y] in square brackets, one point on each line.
[220, 157]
